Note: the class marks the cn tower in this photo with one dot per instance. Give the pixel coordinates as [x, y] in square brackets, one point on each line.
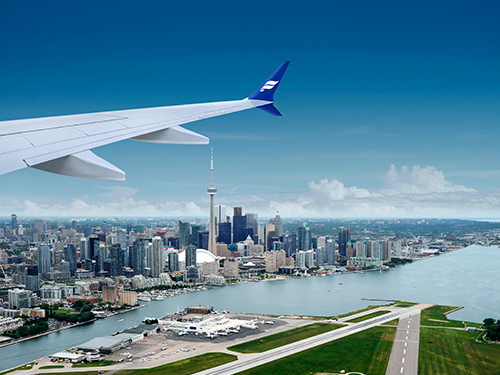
[212, 190]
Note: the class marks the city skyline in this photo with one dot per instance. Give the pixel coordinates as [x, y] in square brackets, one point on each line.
[388, 111]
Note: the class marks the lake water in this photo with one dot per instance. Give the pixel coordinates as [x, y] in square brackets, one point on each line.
[468, 277]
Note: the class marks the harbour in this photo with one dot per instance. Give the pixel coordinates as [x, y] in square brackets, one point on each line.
[460, 278]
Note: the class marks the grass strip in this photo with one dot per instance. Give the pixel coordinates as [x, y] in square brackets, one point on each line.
[371, 307]
[52, 366]
[450, 351]
[27, 366]
[283, 338]
[96, 364]
[186, 366]
[366, 352]
[436, 316]
[405, 304]
[368, 316]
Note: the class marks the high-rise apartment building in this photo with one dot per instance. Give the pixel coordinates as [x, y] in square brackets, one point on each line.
[117, 261]
[190, 256]
[184, 234]
[14, 221]
[156, 257]
[344, 237]
[173, 261]
[70, 257]
[304, 237]
[137, 256]
[278, 225]
[43, 260]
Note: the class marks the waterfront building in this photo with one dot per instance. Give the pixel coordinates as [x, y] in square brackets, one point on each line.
[320, 256]
[127, 298]
[231, 269]
[309, 258]
[361, 249]
[351, 249]
[192, 274]
[210, 268]
[386, 251]
[110, 293]
[275, 260]
[300, 259]
[359, 262]
[214, 279]
[10, 324]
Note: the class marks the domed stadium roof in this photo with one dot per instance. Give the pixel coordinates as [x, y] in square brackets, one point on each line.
[202, 256]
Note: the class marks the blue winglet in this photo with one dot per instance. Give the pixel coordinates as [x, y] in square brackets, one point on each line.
[267, 90]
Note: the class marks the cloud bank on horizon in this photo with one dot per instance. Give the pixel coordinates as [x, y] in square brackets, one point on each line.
[409, 192]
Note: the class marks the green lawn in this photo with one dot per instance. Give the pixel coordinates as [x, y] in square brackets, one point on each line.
[186, 366]
[448, 351]
[405, 304]
[283, 338]
[94, 364]
[367, 352]
[435, 316]
[368, 316]
[371, 307]
[52, 366]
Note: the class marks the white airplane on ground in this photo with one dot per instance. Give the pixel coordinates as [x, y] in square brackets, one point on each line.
[62, 144]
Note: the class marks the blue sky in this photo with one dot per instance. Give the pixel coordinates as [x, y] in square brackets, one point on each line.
[391, 109]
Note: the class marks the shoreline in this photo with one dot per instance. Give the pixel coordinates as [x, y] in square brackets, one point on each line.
[69, 327]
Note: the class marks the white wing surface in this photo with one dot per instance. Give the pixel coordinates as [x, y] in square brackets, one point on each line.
[62, 144]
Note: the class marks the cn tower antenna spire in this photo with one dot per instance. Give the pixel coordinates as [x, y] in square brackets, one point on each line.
[212, 190]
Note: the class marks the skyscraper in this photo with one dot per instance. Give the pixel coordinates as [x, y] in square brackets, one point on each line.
[252, 223]
[70, 257]
[14, 221]
[344, 237]
[278, 224]
[304, 237]
[212, 190]
[116, 257]
[183, 234]
[173, 261]
[156, 257]
[190, 256]
[240, 231]
[137, 256]
[225, 233]
[43, 260]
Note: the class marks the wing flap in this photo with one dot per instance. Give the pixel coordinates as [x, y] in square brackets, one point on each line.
[175, 135]
[84, 164]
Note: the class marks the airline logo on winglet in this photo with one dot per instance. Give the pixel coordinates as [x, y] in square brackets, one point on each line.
[269, 85]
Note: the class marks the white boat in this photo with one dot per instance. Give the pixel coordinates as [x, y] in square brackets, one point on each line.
[145, 299]
[159, 298]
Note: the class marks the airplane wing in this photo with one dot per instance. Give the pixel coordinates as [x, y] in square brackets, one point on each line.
[62, 144]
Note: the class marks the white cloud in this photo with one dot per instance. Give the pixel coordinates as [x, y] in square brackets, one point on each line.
[410, 192]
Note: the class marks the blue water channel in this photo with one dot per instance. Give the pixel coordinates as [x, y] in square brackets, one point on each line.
[468, 277]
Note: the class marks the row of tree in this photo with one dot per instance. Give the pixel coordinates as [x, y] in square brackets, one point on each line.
[492, 328]
[30, 328]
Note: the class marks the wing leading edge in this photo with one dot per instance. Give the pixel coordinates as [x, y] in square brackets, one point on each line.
[62, 144]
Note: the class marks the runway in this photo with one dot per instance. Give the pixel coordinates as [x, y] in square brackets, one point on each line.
[247, 361]
[404, 353]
